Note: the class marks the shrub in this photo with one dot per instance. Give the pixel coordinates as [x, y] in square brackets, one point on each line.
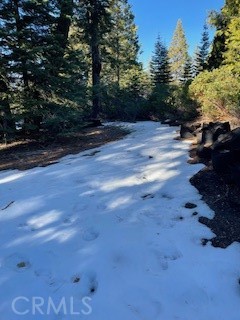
[217, 92]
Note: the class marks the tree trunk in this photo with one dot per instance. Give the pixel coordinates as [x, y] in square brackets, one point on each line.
[96, 71]
[93, 18]
[19, 29]
[7, 121]
[61, 35]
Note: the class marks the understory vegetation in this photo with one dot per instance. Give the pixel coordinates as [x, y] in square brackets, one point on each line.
[64, 63]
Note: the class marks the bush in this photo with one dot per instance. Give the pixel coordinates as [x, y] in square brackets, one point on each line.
[183, 106]
[123, 104]
[62, 120]
[158, 101]
[217, 92]
[171, 101]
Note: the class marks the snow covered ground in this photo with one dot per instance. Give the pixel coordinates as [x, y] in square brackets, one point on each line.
[105, 236]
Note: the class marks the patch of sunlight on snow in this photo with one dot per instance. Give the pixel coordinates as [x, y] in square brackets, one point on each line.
[120, 201]
[20, 208]
[51, 234]
[12, 177]
[87, 193]
[116, 184]
[162, 175]
[110, 156]
[138, 146]
[45, 219]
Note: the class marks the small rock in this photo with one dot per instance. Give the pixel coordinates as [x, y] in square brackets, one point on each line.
[21, 264]
[195, 213]
[76, 279]
[204, 242]
[190, 205]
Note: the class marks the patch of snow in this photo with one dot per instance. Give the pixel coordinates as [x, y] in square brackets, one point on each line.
[113, 227]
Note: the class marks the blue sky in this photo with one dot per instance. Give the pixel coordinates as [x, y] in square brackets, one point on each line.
[155, 17]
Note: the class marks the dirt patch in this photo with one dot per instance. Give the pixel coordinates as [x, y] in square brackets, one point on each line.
[26, 154]
[224, 200]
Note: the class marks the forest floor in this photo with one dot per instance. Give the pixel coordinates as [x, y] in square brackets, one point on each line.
[222, 198]
[30, 153]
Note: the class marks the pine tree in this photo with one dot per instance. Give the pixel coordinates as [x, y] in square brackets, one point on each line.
[121, 47]
[201, 53]
[178, 53]
[159, 65]
[95, 21]
[39, 60]
[221, 22]
[23, 38]
[204, 47]
[188, 69]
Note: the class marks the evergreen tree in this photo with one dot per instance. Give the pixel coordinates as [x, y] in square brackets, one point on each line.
[95, 21]
[221, 22]
[196, 68]
[159, 65]
[178, 53]
[188, 69]
[121, 43]
[201, 53]
[24, 34]
[38, 61]
[232, 54]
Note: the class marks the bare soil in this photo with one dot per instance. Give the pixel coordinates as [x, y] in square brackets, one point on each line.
[26, 154]
[223, 199]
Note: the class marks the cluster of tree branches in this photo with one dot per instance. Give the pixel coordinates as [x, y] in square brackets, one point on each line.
[60, 58]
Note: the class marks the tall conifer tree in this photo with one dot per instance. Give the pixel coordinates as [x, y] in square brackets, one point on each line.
[159, 65]
[121, 43]
[178, 53]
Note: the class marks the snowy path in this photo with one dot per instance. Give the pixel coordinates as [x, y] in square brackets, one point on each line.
[112, 227]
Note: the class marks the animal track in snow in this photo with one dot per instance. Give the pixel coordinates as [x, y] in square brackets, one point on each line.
[166, 196]
[16, 262]
[148, 196]
[90, 235]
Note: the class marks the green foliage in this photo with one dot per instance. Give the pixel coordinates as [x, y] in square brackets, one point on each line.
[128, 102]
[120, 44]
[221, 22]
[201, 53]
[159, 65]
[159, 101]
[232, 54]
[217, 92]
[178, 54]
[182, 105]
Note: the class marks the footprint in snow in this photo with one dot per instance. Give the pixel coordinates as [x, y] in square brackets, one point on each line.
[166, 196]
[17, 263]
[148, 196]
[88, 281]
[26, 227]
[90, 235]
[70, 219]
